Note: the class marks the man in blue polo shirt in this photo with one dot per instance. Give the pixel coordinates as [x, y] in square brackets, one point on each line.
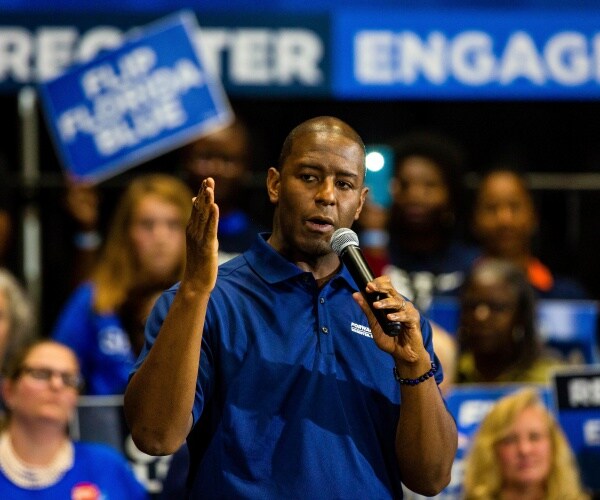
[276, 362]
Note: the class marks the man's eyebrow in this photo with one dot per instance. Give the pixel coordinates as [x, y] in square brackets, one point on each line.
[339, 173]
[307, 165]
[345, 173]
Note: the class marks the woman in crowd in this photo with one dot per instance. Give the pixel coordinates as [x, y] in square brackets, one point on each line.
[16, 316]
[519, 452]
[505, 222]
[224, 154]
[424, 257]
[37, 458]
[497, 334]
[145, 246]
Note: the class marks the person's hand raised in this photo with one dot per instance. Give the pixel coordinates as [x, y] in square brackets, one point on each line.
[201, 240]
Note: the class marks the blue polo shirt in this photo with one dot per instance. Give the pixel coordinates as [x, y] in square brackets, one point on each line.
[295, 398]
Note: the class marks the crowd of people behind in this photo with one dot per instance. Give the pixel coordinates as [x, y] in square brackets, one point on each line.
[487, 263]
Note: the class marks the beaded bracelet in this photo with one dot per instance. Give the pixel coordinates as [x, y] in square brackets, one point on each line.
[415, 381]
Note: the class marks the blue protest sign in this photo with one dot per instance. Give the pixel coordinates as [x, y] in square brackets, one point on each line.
[129, 105]
[577, 395]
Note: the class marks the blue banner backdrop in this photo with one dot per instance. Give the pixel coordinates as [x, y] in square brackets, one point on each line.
[347, 53]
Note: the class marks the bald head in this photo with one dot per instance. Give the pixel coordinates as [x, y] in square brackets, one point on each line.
[321, 124]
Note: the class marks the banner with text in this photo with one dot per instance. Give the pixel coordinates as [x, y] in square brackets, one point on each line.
[577, 395]
[251, 55]
[347, 53]
[469, 54]
[133, 103]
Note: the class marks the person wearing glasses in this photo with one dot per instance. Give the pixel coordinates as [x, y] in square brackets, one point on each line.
[497, 334]
[40, 386]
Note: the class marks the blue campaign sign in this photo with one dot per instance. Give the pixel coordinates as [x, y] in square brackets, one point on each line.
[466, 54]
[129, 105]
[577, 396]
[570, 327]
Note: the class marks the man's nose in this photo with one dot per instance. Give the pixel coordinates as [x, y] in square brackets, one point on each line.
[326, 192]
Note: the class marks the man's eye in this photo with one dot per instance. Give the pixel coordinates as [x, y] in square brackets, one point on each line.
[344, 185]
[307, 177]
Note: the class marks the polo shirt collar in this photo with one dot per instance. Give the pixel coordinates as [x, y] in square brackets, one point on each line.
[272, 267]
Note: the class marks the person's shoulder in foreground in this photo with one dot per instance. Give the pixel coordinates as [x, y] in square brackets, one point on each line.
[97, 472]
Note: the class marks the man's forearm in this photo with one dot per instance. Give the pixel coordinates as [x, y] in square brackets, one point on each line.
[426, 439]
[160, 396]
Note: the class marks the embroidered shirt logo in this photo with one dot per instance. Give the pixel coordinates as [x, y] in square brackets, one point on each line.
[365, 331]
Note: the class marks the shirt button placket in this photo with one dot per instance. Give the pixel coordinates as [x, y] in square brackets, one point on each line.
[326, 340]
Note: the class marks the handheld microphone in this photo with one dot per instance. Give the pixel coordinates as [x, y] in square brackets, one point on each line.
[344, 242]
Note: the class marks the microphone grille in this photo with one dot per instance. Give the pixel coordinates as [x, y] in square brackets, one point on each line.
[342, 238]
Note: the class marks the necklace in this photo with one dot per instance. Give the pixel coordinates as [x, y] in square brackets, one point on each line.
[32, 476]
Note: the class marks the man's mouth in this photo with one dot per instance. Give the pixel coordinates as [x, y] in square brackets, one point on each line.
[320, 224]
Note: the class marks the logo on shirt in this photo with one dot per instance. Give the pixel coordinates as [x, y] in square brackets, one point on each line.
[114, 342]
[365, 331]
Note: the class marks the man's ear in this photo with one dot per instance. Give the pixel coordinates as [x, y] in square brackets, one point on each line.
[273, 184]
[363, 197]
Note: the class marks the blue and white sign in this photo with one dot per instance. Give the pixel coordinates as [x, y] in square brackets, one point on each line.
[577, 395]
[466, 54]
[149, 96]
[347, 53]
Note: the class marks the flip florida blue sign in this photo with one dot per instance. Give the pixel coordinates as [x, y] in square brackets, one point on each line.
[133, 103]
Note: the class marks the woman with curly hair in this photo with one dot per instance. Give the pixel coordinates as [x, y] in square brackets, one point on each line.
[520, 452]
